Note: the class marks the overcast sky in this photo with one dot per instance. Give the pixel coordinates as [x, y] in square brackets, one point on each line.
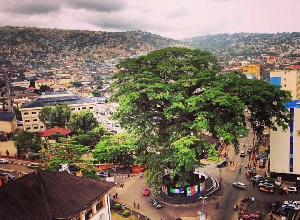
[176, 19]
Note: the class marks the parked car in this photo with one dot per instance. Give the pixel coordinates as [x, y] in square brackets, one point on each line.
[146, 191]
[8, 176]
[292, 206]
[265, 184]
[239, 185]
[278, 181]
[291, 189]
[292, 202]
[33, 165]
[222, 164]
[252, 217]
[262, 165]
[156, 203]
[103, 174]
[242, 154]
[266, 189]
[3, 161]
[257, 178]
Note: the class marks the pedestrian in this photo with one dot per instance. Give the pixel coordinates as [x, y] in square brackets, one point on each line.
[122, 184]
[134, 204]
[138, 206]
[116, 195]
[205, 214]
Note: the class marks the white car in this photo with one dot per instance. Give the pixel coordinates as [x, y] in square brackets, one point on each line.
[239, 185]
[242, 154]
[291, 202]
[278, 181]
[291, 189]
[3, 160]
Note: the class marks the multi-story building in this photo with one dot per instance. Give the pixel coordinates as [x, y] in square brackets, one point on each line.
[285, 147]
[288, 79]
[252, 69]
[30, 110]
[24, 83]
[45, 82]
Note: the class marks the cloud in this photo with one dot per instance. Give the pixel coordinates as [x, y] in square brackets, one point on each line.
[29, 7]
[97, 5]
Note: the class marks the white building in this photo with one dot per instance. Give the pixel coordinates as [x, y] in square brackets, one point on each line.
[285, 147]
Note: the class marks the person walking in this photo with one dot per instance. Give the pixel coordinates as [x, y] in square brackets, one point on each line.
[138, 206]
[134, 204]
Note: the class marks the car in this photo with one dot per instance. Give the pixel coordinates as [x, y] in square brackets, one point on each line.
[146, 191]
[3, 161]
[287, 208]
[251, 171]
[252, 217]
[265, 184]
[291, 189]
[156, 203]
[261, 165]
[278, 181]
[222, 164]
[239, 185]
[103, 174]
[266, 189]
[242, 154]
[9, 176]
[293, 206]
[292, 202]
[33, 165]
[257, 178]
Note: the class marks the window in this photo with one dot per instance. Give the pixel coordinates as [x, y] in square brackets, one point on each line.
[33, 113]
[27, 120]
[72, 109]
[27, 128]
[83, 107]
[35, 127]
[91, 107]
[25, 113]
[42, 126]
[34, 119]
[78, 108]
[88, 214]
[99, 205]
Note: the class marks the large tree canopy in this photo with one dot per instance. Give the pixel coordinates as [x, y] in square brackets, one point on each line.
[170, 96]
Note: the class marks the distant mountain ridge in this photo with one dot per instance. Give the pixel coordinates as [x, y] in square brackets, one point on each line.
[248, 44]
[42, 47]
[50, 45]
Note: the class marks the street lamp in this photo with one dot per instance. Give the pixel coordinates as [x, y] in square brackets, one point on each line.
[203, 199]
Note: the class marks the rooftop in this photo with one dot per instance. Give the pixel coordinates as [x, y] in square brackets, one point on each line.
[49, 195]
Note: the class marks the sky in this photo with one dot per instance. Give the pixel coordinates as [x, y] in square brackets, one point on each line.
[177, 19]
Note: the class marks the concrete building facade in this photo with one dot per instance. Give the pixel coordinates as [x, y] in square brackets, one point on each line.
[288, 80]
[285, 147]
[30, 110]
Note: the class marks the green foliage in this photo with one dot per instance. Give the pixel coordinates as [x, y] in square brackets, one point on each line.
[64, 152]
[44, 116]
[171, 96]
[119, 148]
[117, 206]
[25, 141]
[77, 84]
[2, 83]
[82, 122]
[126, 213]
[96, 93]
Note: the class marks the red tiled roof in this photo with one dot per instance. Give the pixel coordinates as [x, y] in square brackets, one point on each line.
[30, 88]
[49, 195]
[55, 130]
[295, 66]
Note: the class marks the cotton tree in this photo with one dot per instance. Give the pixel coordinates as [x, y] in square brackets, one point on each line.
[171, 96]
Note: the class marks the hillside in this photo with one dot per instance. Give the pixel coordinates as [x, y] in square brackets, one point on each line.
[41, 47]
[248, 44]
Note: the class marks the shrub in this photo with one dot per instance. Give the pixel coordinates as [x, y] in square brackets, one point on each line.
[117, 206]
[126, 212]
